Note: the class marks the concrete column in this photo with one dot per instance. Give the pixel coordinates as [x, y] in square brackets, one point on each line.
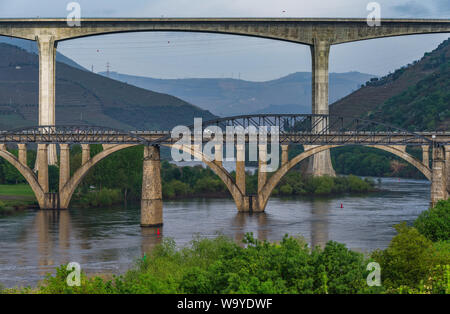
[218, 154]
[47, 52]
[151, 203]
[42, 157]
[400, 147]
[426, 155]
[64, 165]
[22, 153]
[447, 169]
[262, 169]
[240, 168]
[320, 163]
[284, 154]
[438, 176]
[85, 153]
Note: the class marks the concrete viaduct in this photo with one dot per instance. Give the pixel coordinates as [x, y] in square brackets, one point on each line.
[319, 34]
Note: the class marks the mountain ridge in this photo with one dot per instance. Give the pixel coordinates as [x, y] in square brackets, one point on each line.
[83, 97]
[228, 96]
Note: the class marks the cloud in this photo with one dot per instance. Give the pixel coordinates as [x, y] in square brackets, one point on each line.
[412, 9]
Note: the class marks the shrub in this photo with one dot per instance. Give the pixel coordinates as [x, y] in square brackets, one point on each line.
[435, 222]
[407, 260]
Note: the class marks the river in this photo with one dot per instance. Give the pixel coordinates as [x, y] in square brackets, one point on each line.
[109, 240]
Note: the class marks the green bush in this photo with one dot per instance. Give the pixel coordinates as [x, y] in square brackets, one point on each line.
[104, 197]
[407, 260]
[435, 222]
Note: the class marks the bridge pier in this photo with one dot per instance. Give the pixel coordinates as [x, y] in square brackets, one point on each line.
[284, 154]
[85, 153]
[447, 168]
[426, 155]
[151, 202]
[64, 165]
[320, 163]
[42, 165]
[240, 168]
[257, 202]
[218, 154]
[439, 176]
[47, 53]
[22, 152]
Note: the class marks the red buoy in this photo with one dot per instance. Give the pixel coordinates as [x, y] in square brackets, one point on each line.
[342, 206]
[157, 231]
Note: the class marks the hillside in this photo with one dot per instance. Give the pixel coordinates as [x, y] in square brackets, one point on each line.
[31, 46]
[415, 97]
[84, 97]
[228, 96]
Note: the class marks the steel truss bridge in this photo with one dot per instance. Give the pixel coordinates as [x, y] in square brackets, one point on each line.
[301, 129]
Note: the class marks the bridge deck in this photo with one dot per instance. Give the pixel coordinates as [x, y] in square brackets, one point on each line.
[163, 137]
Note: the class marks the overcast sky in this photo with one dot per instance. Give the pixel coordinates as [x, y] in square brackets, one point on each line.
[180, 55]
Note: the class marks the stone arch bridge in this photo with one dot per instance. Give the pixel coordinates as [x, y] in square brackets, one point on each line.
[318, 33]
[317, 133]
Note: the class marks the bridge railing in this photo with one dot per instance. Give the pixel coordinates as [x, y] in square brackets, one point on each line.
[307, 129]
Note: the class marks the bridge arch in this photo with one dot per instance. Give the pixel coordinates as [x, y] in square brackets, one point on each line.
[28, 174]
[220, 171]
[273, 181]
[69, 188]
[66, 192]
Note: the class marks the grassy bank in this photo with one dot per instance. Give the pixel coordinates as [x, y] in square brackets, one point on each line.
[15, 197]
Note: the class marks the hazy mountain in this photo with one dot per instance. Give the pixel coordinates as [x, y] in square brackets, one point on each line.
[227, 96]
[31, 46]
[415, 97]
[83, 97]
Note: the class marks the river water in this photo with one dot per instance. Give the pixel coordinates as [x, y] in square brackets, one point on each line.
[109, 240]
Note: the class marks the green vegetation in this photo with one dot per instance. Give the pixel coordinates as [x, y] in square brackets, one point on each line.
[15, 197]
[294, 184]
[22, 189]
[435, 223]
[413, 263]
[423, 105]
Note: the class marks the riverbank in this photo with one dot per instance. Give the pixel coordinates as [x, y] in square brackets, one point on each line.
[16, 198]
[416, 261]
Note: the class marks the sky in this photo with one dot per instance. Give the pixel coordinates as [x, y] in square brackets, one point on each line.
[183, 55]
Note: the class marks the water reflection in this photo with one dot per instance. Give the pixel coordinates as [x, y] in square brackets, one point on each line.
[47, 224]
[150, 237]
[241, 220]
[319, 223]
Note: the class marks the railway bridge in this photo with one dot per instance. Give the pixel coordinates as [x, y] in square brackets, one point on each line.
[315, 132]
[320, 34]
